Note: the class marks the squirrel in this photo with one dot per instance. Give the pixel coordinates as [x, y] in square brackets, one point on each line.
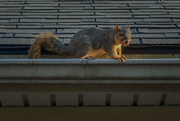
[87, 43]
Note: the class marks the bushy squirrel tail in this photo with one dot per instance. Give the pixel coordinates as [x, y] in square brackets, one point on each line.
[49, 42]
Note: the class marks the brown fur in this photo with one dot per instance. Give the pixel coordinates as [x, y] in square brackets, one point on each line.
[47, 41]
[87, 43]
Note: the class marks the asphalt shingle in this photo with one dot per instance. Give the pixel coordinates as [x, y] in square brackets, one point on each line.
[152, 22]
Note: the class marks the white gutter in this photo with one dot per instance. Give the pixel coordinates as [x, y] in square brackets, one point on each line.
[145, 71]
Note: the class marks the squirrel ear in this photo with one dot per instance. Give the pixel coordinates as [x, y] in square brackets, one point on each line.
[129, 27]
[117, 29]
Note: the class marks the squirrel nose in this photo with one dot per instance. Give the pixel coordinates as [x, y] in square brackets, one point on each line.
[126, 42]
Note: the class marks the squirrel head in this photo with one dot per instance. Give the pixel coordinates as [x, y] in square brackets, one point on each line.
[123, 35]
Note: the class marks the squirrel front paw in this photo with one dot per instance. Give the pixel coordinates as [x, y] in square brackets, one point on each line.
[121, 59]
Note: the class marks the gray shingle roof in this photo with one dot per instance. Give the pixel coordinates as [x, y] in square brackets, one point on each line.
[152, 22]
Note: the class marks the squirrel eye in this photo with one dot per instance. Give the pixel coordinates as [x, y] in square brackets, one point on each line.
[120, 34]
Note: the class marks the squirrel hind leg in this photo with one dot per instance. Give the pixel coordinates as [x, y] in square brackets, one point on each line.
[89, 57]
[79, 51]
